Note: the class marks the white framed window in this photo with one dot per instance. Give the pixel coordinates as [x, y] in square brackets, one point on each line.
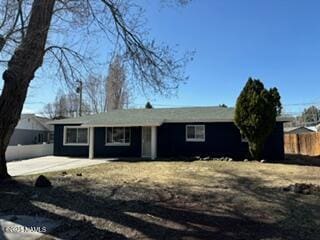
[195, 133]
[118, 136]
[75, 135]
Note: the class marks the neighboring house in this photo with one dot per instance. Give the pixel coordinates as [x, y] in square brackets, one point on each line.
[313, 128]
[298, 130]
[32, 129]
[152, 133]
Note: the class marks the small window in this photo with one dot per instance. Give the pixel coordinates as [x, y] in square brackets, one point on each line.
[76, 136]
[118, 136]
[195, 133]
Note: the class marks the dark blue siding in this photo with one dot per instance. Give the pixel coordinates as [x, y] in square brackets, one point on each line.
[274, 147]
[133, 150]
[100, 150]
[222, 139]
[61, 150]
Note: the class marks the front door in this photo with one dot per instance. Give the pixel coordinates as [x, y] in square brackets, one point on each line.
[146, 142]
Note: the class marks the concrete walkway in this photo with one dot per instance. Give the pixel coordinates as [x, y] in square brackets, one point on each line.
[50, 164]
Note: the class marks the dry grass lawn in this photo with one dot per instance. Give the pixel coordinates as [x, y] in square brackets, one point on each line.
[173, 200]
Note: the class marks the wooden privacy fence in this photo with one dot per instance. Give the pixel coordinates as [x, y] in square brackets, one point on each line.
[304, 144]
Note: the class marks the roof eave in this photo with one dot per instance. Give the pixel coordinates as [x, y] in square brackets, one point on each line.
[284, 119]
[197, 120]
[153, 124]
[123, 125]
[63, 123]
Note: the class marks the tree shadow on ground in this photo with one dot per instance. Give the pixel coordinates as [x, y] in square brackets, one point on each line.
[301, 213]
[115, 216]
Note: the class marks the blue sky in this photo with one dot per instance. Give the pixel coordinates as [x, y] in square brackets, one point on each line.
[277, 41]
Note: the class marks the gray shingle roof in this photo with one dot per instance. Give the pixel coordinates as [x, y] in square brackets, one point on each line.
[153, 117]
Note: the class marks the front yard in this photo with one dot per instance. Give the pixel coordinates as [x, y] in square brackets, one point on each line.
[172, 200]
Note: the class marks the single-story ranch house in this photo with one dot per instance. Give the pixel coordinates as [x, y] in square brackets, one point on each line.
[159, 133]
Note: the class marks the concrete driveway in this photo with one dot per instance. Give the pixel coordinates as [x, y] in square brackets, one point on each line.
[49, 164]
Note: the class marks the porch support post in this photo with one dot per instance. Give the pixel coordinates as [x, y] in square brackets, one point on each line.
[91, 143]
[153, 143]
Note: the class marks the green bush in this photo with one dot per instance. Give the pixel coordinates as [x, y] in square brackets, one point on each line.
[255, 115]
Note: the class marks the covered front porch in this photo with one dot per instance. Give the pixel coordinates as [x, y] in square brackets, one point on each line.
[129, 138]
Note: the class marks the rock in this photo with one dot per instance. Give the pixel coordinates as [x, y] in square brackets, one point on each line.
[316, 188]
[306, 191]
[79, 174]
[42, 181]
[230, 159]
[245, 160]
[262, 161]
[302, 188]
[197, 157]
[286, 189]
[292, 187]
[206, 158]
[297, 189]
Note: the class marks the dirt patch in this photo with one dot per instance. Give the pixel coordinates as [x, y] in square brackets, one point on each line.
[172, 200]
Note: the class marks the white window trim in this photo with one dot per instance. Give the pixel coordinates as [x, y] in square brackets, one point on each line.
[74, 144]
[117, 144]
[196, 139]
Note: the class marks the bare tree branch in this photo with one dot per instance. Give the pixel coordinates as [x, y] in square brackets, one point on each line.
[65, 32]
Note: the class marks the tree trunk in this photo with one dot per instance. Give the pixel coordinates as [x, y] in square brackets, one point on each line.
[27, 58]
[3, 167]
[256, 150]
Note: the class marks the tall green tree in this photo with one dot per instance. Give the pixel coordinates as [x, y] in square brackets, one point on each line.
[255, 115]
[148, 105]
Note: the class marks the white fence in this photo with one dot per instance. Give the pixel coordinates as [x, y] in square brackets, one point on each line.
[28, 151]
